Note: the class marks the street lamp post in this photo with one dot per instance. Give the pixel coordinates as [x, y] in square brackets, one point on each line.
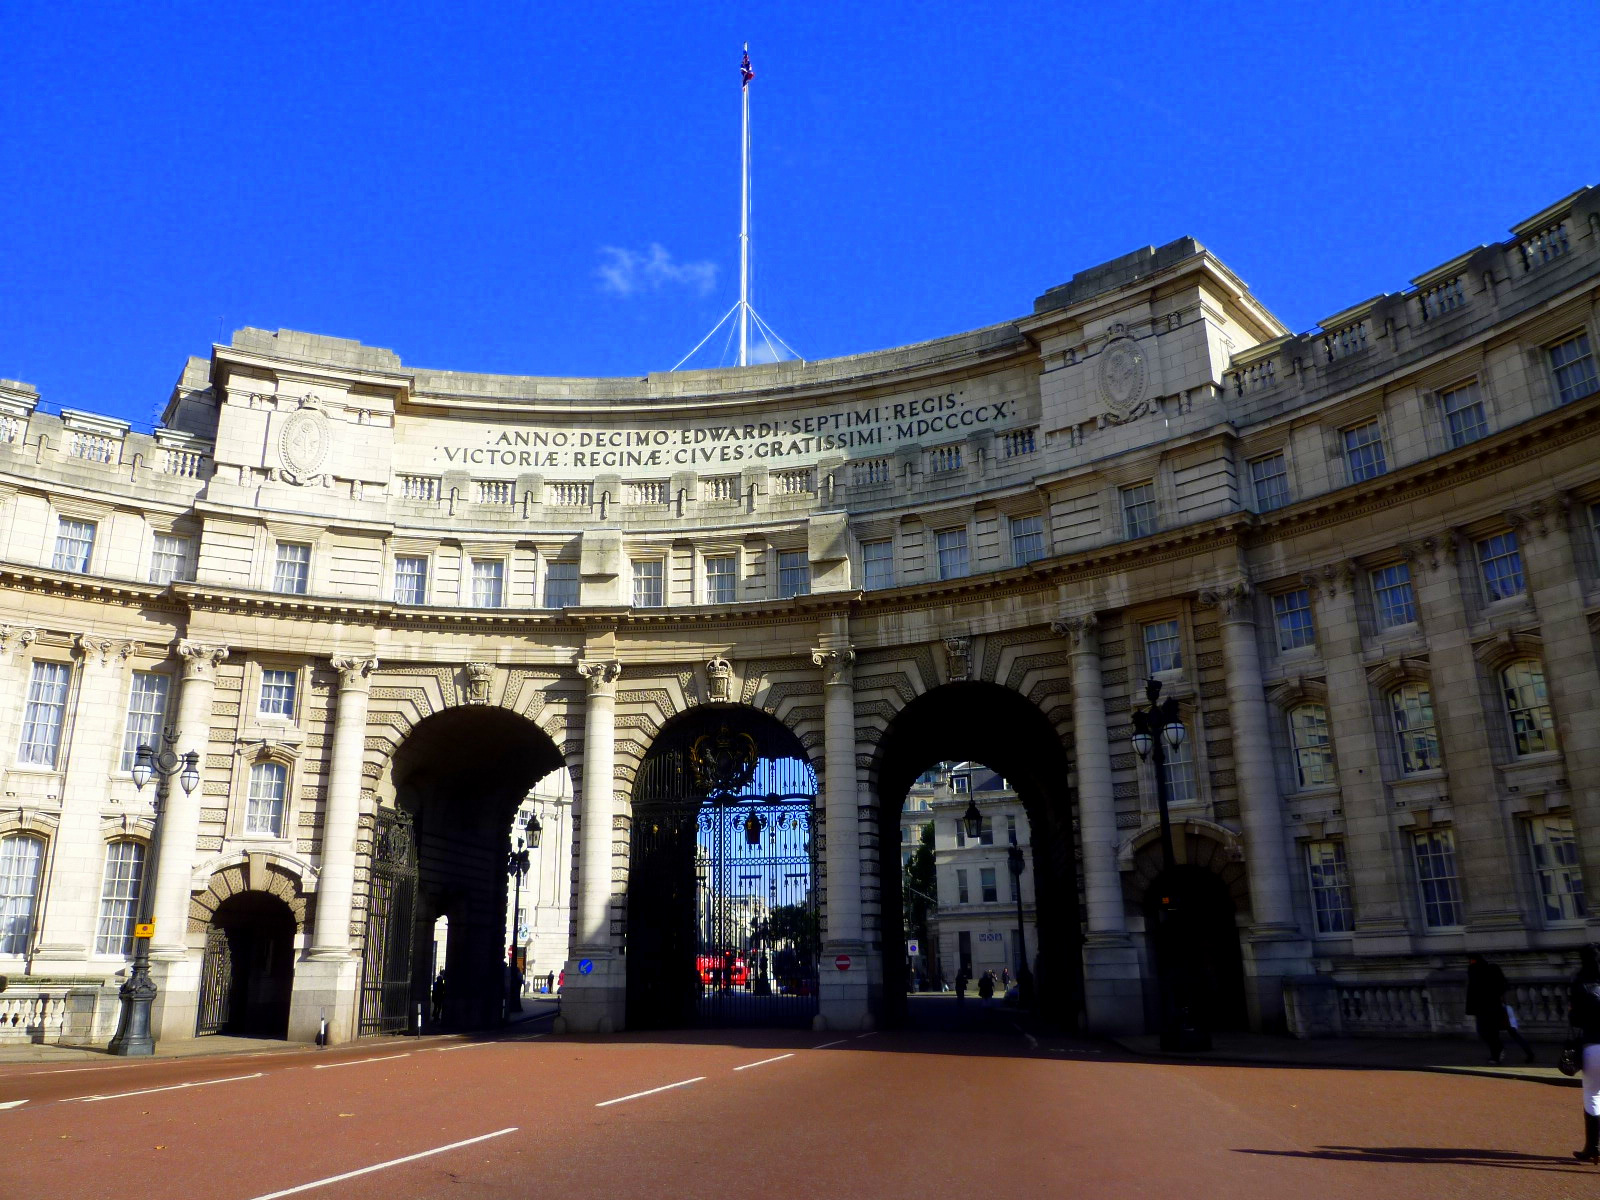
[1155, 730]
[133, 1038]
[517, 864]
[1015, 862]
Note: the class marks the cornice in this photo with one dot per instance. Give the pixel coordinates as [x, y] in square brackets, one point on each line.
[43, 581]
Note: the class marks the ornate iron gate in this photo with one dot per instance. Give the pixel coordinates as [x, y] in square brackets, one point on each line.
[391, 903]
[722, 917]
[216, 983]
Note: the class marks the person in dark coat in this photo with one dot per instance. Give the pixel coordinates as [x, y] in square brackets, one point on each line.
[986, 986]
[1486, 1004]
[1583, 1014]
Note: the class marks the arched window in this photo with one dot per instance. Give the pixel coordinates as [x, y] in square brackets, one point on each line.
[1533, 728]
[1416, 737]
[269, 785]
[20, 859]
[1308, 737]
[119, 897]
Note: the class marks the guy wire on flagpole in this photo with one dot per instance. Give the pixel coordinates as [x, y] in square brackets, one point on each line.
[748, 316]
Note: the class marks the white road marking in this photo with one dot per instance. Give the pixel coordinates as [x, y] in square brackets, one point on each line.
[859, 1036]
[393, 1162]
[635, 1095]
[174, 1087]
[763, 1062]
[355, 1062]
[13, 1104]
[462, 1046]
[825, 1045]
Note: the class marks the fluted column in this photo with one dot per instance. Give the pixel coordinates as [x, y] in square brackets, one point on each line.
[342, 814]
[597, 806]
[179, 822]
[1260, 807]
[1097, 812]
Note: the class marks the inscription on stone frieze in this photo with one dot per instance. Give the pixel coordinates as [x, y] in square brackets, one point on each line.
[860, 430]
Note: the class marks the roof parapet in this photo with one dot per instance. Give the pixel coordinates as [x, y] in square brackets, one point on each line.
[1119, 272]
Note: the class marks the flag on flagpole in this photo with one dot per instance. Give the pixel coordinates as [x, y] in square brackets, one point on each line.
[746, 74]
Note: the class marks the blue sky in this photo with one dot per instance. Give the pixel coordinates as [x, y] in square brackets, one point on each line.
[485, 187]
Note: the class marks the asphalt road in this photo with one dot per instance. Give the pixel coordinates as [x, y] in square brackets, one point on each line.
[780, 1114]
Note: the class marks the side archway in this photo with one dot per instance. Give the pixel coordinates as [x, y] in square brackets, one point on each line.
[993, 725]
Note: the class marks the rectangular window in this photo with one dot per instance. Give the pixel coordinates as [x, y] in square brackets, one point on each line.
[488, 583]
[20, 859]
[410, 579]
[1500, 565]
[986, 880]
[41, 720]
[961, 835]
[1573, 366]
[1392, 596]
[1313, 754]
[269, 783]
[1363, 451]
[649, 583]
[961, 784]
[1291, 616]
[1440, 890]
[147, 708]
[951, 545]
[877, 564]
[119, 898]
[1181, 786]
[794, 573]
[1011, 829]
[986, 832]
[292, 572]
[1139, 510]
[721, 577]
[170, 558]
[1161, 649]
[964, 949]
[74, 546]
[1330, 886]
[1555, 865]
[961, 885]
[277, 693]
[1463, 414]
[561, 585]
[1269, 479]
[1027, 539]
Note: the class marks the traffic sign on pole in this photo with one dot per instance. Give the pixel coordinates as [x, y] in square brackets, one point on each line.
[842, 962]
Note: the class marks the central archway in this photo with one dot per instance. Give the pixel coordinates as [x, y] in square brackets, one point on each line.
[459, 777]
[723, 923]
[992, 725]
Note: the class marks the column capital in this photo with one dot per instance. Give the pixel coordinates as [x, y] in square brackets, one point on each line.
[355, 674]
[1079, 629]
[601, 675]
[200, 661]
[96, 648]
[837, 664]
[1231, 600]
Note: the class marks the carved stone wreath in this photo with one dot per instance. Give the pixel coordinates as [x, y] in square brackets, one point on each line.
[1123, 376]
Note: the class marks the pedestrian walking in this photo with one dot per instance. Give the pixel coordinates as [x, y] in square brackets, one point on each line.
[1486, 1004]
[961, 984]
[986, 986]
[1583, 1014]
[438, 999]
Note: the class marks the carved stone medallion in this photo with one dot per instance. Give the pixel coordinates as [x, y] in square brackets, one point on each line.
[1122, 379]
[303, 445]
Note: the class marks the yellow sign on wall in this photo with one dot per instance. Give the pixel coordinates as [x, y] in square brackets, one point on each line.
[144, 929]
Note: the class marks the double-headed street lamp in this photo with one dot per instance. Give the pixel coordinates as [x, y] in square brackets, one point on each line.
[517, 863]
[1157, 729]
[138, 992]
[1014, 861]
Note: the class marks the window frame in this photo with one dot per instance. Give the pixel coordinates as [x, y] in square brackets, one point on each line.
[988, 885]
[944, 567]
[1329, 880]
[259, 770]
[1295, 629]
[281, 562]
[1443, 852]
[1313, 751]
[1463, 433]
[495, 574]
[184, 572]
[1278, 497]
[1514, 703]
[1381, 608]
[1503, 547]
[641, 570]
[1145, 640]
[156, 719]
[867, 564]
[10, 935]
[422, 578]
[1140, 517]
[566, 567]
[1404, 731]
[30, 720]
[1583, 359]
[715, 580]
[81, 562]
[108, 942]
[793, 573]
[1376, 463]
[1023, 537]
[1564, 865]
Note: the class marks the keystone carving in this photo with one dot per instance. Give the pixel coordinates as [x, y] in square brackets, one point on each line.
[836, 665]
[478, 676]
[957, 651]
[719, 680]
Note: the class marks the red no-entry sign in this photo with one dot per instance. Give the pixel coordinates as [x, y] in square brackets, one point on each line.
[842, 962]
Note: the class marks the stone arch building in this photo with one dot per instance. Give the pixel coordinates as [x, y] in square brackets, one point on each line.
[380, 601]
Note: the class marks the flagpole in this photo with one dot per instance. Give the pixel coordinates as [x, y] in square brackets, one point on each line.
[744, 224]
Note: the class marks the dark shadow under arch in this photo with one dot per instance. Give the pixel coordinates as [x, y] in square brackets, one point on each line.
[989, 724]
[460, 774]
[259, 929]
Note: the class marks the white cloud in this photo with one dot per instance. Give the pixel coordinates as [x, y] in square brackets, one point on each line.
[629, 272]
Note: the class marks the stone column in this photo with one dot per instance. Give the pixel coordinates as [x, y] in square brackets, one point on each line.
[1113, 989]
[595, 993]
[89, 749]
[177, 975]
[1276, 947]
[842, 995]
[325, 983]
